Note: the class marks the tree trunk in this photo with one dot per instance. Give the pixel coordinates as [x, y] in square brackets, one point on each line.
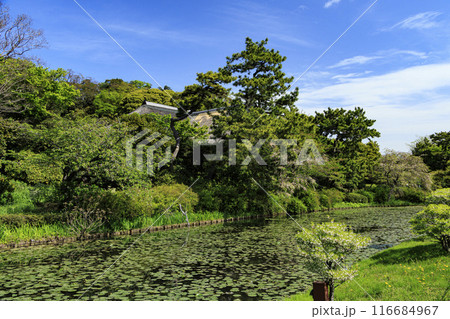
[331, 284]
[445, 241]
[391, 192]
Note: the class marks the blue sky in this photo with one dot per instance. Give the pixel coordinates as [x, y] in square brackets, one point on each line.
[394, 62]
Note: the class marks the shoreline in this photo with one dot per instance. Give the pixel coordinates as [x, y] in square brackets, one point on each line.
[62, 240]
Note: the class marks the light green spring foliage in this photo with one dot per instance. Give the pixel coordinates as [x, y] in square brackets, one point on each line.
[327, 247]
[434, 221]
[48, 92]
[439, 196]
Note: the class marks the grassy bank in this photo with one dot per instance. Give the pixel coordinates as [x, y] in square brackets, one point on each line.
[14, 234]
[413, 270]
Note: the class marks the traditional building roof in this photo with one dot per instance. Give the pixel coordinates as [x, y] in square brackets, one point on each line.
[161, 109]
[203, 118]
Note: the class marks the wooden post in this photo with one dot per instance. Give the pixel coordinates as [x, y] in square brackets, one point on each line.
[320, 291]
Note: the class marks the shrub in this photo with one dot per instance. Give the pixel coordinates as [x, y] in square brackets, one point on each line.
[370, 195]
[82, 221]
[399, 202]
[279, 203]
[17, 220]
[356, 198]
[441, 178]
[165, 195]
[295, 206]
[381, 193]
[334, 196]
[352, 205]
[439, 196]
[312, 201]
[434, 221]
[229, 200]
[208, 201]
[5, 185]
[43, 194]
[136, 202]
[412, 195]
[17, 193]
[325, 201]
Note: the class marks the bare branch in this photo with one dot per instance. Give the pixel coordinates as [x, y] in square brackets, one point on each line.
[17, 36]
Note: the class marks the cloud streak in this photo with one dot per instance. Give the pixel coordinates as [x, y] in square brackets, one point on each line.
[360, 59]
[421, 21]
[159, 34]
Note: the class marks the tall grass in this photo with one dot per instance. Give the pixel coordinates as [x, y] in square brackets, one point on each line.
[170, 219]
[350, 205]
[27, 232]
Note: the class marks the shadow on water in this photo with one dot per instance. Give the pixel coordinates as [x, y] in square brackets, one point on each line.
[247, 260]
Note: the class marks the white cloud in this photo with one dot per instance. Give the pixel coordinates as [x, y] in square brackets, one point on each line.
[290, 39]
[330, 3]
[424, 20]
[385, 88]
[407, 103]
[346, 77]
[155, 33]
[420, 55]
[359, 59]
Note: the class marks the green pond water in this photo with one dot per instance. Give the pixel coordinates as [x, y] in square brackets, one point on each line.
[248, 260]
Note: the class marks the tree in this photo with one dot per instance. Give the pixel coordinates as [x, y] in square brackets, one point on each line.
[106, 103]
[47, 91]
[117, 85]
[259, 79]
[13, 80]
[90, 151]
[88, 91]
[140, 84]
[434, 221]
[327, 247]
[435, 152]
[33, 90]
[402, 169]
[344, 130]
[208, 93]
[17, 36]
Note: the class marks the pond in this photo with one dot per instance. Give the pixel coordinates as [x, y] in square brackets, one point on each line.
[246, 260]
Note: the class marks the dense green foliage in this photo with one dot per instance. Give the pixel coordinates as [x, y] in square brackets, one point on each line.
[64, 136]
[439, 196]
[435, 152]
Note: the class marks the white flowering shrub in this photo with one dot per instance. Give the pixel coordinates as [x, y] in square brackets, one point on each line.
[326, 247]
